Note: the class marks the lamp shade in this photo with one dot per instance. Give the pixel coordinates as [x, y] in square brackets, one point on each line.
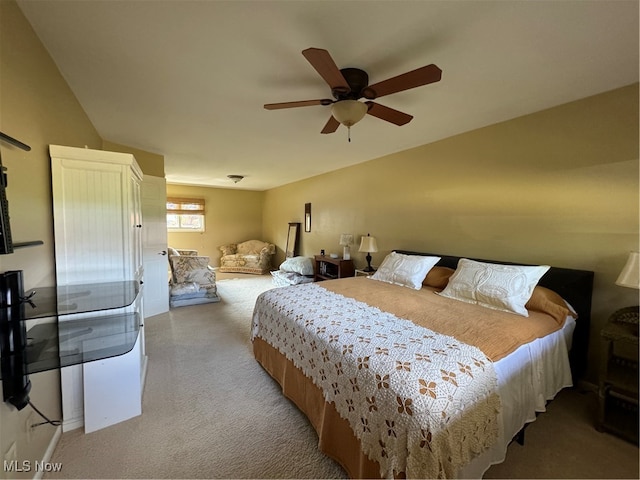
[368, 244]
[630, 274]
[349, 112]
[346, 239]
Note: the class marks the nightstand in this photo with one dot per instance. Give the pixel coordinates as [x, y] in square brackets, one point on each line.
[328, 268]
[618, 389]
[363, 273]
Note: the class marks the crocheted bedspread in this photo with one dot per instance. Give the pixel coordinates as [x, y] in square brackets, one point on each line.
[420, 402]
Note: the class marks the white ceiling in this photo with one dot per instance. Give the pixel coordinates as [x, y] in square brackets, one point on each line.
[188, 79]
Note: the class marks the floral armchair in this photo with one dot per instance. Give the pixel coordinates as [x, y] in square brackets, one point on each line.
[192, 280]
[252, 256]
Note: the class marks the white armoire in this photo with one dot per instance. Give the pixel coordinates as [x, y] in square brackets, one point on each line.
[98, 240]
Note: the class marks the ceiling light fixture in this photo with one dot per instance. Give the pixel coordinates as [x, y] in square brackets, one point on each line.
[349, 112]
[235, 178]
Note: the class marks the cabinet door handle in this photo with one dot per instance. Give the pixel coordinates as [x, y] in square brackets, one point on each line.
[163, 252]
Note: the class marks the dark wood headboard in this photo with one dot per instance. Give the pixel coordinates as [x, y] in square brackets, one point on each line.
[575, 286]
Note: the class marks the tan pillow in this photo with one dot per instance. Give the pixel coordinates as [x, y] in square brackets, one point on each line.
[438, 277]
[549, 302]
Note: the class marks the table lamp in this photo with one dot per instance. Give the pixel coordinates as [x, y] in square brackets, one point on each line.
[368, 244]
[346, 239]
[629, 277]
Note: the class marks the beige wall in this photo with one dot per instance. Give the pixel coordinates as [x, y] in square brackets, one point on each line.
[231, 216]
[556, 187]
[150, 163]
[38, 108]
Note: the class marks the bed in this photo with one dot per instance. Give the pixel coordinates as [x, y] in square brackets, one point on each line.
[398, 382]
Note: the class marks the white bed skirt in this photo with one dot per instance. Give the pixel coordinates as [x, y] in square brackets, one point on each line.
[527, 379]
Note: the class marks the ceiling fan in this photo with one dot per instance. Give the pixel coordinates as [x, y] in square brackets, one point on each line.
[348, 85]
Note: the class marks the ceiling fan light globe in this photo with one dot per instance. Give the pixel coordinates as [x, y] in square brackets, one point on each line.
[349, 112]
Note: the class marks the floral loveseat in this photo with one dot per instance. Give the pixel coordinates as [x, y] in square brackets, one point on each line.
[252, 256]
[192, 281]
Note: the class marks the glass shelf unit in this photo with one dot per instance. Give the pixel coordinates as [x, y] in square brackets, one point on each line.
[52, 340]
[72, 342]
[67, 299]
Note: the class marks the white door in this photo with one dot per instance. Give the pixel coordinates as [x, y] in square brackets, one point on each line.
[154, 245]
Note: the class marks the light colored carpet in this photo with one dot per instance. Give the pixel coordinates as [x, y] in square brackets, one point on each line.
[210, 411]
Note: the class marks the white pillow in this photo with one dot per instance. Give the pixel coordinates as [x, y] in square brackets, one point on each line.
[406, 270]
[301, 265]
[500, 287]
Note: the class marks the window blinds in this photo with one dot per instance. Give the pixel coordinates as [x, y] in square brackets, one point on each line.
[185, 206]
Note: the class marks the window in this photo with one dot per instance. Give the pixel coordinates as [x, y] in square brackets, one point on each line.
[185, 215]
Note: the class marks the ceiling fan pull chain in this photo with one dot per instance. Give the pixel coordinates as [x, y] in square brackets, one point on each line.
[349, 134]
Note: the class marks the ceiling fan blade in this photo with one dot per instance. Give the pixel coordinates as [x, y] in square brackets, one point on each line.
[303, 103]
[331, 126]
[388, 114]
[415, 78]
[327, 68]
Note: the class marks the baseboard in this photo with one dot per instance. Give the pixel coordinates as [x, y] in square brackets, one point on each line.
[49, 452]
[68, 425]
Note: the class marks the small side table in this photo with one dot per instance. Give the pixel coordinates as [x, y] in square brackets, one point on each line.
[618, 389]
[328, 268]
[363, 273]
